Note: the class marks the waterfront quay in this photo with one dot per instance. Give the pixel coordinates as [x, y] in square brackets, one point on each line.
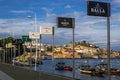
[22, 73]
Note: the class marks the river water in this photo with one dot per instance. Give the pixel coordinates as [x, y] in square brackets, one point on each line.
[47, 67]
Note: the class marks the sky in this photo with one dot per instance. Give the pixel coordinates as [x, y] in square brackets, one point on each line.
[14, 20]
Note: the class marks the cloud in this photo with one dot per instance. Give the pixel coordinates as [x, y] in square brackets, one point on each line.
[20, 11]
[116, 1]
[93, 22]
[115, 17]
[47, 10]
[50, 15]
[84, 31]
[68, 6]
[92, 29]
[75, 14]
[116, 4]
[18, 26]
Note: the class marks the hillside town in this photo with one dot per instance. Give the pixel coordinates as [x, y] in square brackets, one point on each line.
[82, 49]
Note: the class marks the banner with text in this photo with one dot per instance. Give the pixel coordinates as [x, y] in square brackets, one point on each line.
[98, 9]
[63, 22]
[46, 30]
[34, 35]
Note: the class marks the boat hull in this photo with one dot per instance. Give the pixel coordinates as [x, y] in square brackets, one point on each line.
[62, 66]
[112, 72]
[91, 73]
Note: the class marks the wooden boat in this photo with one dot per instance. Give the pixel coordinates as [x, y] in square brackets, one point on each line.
[88, 70]
[26, 63]
[102, 67]
[114, 71]
[67, 68]
[62, 66]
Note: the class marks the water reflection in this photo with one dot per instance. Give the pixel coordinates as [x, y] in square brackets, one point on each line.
[47, 67]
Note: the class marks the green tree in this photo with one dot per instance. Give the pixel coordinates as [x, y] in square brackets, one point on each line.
[5, 41]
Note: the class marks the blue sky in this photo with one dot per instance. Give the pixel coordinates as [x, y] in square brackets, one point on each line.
[13, 19]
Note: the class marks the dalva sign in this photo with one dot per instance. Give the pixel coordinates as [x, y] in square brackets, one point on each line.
[98, 9]
[63, 22]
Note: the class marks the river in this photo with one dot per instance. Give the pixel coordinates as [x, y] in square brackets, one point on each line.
[47, 67]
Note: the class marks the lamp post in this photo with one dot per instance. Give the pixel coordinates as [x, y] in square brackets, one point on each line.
[35, 24]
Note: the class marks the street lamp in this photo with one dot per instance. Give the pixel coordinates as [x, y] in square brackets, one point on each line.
[35, 24]
[35, 21]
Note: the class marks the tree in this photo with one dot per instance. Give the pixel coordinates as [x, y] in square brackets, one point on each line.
[83, 43]
[5, 41]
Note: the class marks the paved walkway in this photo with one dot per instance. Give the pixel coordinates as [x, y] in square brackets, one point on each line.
[4, 76]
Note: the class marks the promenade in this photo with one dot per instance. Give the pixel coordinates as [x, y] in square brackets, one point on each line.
[4, 76]
[10, 72]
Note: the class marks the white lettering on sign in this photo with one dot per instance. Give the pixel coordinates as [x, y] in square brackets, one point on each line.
[98, 9]
[65, 23]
